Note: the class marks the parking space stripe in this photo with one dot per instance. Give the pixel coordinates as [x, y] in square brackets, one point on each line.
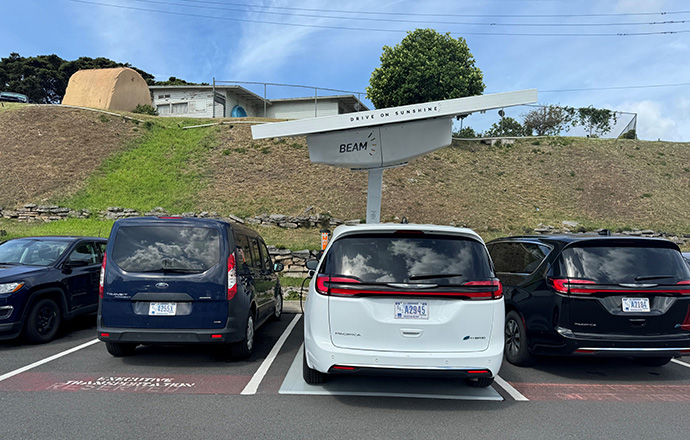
[46, 360]
[508, 388]
[676, 361]
[254, 383]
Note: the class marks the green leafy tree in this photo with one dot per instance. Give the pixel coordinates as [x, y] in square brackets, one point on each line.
[424, 66]
[505, 127]
[466, 132]
[596, 121]
[172, 81]
[548, 120]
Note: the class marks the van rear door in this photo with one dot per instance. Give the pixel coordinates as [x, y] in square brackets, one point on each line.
[167, 274]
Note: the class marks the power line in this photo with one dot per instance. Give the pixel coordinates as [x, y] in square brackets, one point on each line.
[389, 20]
[590, 89]
[418, 14]
[315, 26]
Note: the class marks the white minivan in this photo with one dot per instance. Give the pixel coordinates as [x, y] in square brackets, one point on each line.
[401, 299]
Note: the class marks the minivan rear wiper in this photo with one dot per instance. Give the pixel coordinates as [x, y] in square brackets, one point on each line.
[652, 277]
[435, 275]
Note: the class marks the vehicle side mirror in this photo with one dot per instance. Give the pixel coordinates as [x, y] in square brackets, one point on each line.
[278, 267]
[312, 264]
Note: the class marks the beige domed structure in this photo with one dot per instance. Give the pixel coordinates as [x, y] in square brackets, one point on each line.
[120, 88]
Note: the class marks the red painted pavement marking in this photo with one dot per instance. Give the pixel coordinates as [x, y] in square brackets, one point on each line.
[605, 392]
[170, 384]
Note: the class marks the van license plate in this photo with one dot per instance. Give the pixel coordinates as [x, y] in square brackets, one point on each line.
[636, 305]
[162, 309]
[411, 310]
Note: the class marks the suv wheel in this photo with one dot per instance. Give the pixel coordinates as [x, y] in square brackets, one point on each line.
[43, 321]
[244, 348]
[654, 361]
[119, 349]
[480, 382]
[278, 311]
[516, 350]
[310, 375]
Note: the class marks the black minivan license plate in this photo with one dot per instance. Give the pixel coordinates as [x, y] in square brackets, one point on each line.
[162, 309]
[635, 304]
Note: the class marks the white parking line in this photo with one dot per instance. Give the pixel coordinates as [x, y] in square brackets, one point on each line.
[253, 384]
[676, 361]
[508, 388]
[46, 360]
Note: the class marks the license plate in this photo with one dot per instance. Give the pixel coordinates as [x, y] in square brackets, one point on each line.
[162, 309]
[636, 305]
[411, 310]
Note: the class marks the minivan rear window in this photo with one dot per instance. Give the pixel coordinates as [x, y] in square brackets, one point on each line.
[173, 249]
[624, 264]
[392, 258]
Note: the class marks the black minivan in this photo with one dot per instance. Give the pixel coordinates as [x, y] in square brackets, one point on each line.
[593, 296]
[167, 280]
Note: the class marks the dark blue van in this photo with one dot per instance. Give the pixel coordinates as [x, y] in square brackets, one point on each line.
[185, 281]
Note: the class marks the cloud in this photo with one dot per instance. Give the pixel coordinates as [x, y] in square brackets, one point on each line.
[657, 121]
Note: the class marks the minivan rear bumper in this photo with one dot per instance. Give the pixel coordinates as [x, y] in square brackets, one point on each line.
[233, 332]
[595, 344]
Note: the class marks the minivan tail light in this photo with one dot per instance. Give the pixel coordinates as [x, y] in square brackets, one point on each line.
[569, 286]
[324, 289]
[232, 277]
[101, 280]
[496, 291]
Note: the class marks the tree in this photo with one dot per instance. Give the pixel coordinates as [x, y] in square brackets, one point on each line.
[547, 120]
[505, 127]
[425, 66]
[466, 132]
[596, 121]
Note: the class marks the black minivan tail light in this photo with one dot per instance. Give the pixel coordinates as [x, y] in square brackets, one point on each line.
[101, 280]
[494, 289]
[574, 286]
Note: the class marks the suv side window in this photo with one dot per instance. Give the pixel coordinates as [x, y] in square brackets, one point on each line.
[86, 252]
[518, 257]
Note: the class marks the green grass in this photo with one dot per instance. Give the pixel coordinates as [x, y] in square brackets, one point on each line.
[165, 168]
[89, 227]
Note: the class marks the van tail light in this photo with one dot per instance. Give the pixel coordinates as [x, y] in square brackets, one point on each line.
[495, 290]
[101, 280]
[684, 291]
[323, 285]
[232, 277]
[570, 286]
[490, 289]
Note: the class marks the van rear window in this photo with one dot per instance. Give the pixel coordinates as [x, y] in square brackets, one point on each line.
[173, 249]
[624, 264]
[390, 258]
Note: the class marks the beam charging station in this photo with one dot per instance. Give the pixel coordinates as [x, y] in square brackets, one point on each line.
[386, 138]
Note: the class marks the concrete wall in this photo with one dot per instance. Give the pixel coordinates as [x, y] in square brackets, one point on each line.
[301, 109]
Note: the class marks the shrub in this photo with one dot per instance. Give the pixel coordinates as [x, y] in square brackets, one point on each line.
[145, 109]
[630, 134]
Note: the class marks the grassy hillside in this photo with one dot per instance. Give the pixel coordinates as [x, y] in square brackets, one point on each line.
[496, 190]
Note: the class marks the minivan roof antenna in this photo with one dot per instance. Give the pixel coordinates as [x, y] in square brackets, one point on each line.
[385, 138]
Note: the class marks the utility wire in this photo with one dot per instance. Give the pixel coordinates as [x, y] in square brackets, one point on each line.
[418, 14]
[589, 89]
[389, 20]
[315, 26]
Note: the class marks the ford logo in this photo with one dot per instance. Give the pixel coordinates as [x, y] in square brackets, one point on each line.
[162, 285]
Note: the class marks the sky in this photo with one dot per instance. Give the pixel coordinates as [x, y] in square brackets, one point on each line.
[625, 55]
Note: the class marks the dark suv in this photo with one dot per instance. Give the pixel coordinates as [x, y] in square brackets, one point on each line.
[46, 280]
[593, 296]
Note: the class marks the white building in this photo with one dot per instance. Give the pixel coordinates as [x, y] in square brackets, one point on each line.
[197, 101]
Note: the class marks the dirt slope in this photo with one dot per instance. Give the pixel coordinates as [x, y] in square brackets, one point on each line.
[48, 151]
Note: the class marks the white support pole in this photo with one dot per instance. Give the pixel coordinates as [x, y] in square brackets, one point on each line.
[374, 195]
